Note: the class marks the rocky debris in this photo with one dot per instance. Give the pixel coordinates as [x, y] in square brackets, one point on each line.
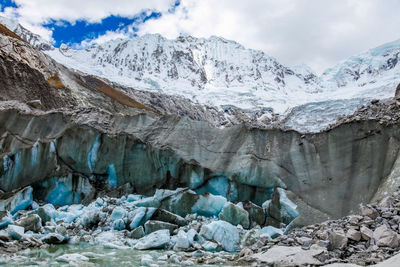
[385, 112]
[368, 238]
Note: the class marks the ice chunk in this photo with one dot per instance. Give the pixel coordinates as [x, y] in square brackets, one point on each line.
[224, 233]
[16, 232]
[118, 213]
[19, 200]
[118, 225]
[140, 216]
[155, 240]
[133, 197]
[5, 219]
[209, 205]
[271, 231]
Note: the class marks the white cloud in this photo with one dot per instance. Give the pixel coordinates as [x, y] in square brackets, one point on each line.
[318, 33]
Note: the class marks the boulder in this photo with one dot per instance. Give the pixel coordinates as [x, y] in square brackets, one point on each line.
[366, 233]
[353, 235]
[43, 214]
[386, 202]
[369, 212]
[153, 226]
[385, 237]
[137, 233]
[31, 222]
[337, 239]
[289, 256]
[169, 217]
[224, 233]
[15, 232]
[256, 213]
[235, 215]
[155, 240]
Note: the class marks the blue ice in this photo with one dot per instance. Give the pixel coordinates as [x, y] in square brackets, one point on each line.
[92, 156]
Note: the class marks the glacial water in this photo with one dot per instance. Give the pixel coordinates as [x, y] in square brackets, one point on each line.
[91, 255]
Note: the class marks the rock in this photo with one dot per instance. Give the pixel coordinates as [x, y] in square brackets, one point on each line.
[137, 233]
[385, 237]
[256, 213]
[32, 222]
[155, 240]
[245, 252]
[15, 232]
[152, 226]
[366, 233]
[169, 217]
[54, 238]
[337, 239]
[16, 200]
[353, 235]
[235, 215]
[289, 256]
[369, 212]
[43, 214]
[224, 233]
[304, 241]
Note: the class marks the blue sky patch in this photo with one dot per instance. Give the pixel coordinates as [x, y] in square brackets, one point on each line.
[6, 3]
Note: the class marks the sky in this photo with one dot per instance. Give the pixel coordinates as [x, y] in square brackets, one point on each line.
[318, 33]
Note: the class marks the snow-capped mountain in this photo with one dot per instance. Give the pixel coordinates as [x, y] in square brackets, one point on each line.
[223, 74]
[210, 71]
[35, 40]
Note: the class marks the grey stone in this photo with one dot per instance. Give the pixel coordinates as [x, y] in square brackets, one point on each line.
[31, 222]
[385, 237]
[369, 212]
[366, 233]
[169, 217]
[152, 226]
[353, 235]
[54, 238]
[337, 239]
[235, 215]
[137, 233]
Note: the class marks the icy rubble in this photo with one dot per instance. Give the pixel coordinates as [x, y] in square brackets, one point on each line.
[124, 223]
